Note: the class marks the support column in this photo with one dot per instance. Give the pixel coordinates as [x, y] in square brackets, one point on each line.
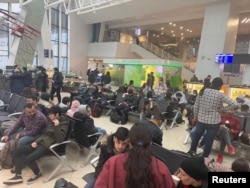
[246, 73]
[101, 33]
[219, 34]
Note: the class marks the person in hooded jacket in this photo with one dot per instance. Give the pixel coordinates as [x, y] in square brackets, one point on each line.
[73, 108]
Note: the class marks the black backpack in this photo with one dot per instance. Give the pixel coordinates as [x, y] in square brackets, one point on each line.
[117, 118]
[96, 109]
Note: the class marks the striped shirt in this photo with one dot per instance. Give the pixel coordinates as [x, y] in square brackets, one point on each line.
[207, 106]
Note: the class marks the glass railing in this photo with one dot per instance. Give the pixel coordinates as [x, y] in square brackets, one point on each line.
[159, 52]
[163, 54]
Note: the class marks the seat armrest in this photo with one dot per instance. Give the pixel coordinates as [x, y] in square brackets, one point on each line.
[15, 114]
[111, 102]
[241, 133]
[59, 144]
[94, 161]
[52, 147]
[95, 134]
[163, 113]
[133, 108]
[4, 107]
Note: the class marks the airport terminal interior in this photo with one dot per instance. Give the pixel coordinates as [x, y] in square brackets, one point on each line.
[129, 39]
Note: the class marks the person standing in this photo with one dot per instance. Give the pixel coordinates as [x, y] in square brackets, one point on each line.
[91, 77]
[207, 109]
[17, 82]
[45, 84]
[207, 81]
[28, 81]
[38, 80]
[153, 80]
[106, 80]
[194, 79]
[57, 82]
[3, 79]
[137, 167]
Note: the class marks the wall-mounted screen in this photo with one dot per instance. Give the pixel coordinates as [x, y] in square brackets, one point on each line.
[241, 59]
[224, 58]
[232, 68]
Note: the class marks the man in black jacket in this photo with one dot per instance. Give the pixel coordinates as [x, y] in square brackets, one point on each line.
[57, 82]
[130, 100]
[154, 126]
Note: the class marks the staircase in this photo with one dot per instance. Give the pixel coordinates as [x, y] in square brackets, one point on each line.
[159, 52]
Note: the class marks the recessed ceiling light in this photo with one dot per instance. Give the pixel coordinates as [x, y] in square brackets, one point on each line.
[162, 28]
[190, 31]
[174, 25]
[246, 20]
[187, 29]
[181, 33]
[181, 27]
[162, 33]
[173, 35]
[170, 23]
[172, 31]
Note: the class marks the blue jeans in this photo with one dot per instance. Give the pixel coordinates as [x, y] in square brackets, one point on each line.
[101, 130]
[211, 131]
[90, 183]
[23, 140]
[192, 132]
[26, 140]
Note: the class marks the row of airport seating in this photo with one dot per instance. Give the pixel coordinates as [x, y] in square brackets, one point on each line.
[12, 105]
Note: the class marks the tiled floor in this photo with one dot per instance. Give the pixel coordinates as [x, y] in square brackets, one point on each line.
[172, 139]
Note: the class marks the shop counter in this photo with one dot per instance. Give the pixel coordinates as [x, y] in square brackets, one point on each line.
[199, 86]
[235, 91]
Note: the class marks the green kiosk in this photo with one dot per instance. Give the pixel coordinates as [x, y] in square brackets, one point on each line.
[124, 70]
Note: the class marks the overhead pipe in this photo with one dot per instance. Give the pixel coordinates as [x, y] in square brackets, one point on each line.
[48, 5]
[111, 4]
[87, 7]
[21, 3]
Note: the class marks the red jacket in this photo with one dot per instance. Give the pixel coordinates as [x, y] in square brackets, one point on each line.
[113, 174]
[234, 122]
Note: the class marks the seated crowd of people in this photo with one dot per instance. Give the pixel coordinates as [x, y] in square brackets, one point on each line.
[37, 128]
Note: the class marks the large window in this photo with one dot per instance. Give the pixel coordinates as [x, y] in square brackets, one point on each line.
[59, 37]
[4, 41]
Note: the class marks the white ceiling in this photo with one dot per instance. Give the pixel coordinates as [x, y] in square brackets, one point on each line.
[154, 14]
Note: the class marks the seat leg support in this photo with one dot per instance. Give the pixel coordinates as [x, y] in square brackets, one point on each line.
[63, 162]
